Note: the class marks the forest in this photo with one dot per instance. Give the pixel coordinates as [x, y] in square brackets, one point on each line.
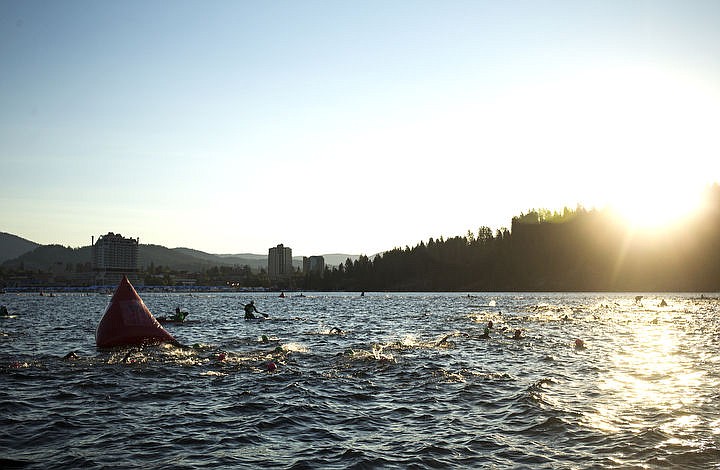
[573, 250]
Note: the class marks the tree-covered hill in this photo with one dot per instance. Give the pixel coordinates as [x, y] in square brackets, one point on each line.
[575, 250]
[12, 246]
[36, 257]
[48, 257]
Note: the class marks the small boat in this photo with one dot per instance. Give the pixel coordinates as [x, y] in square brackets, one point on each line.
[164, 320]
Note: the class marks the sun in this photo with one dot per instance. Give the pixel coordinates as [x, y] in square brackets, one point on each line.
[656, 206]
[646, 136]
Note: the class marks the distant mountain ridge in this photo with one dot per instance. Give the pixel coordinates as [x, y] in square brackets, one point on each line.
[16, 252]
[12, 246]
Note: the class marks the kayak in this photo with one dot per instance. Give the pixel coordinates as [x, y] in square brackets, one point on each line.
[164, 320]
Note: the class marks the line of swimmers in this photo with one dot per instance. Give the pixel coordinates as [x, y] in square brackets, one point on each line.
[579, 344]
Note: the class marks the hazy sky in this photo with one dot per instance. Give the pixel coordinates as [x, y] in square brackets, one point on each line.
[339, 126]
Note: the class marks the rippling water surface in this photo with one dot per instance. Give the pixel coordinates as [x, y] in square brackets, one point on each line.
[408, 382]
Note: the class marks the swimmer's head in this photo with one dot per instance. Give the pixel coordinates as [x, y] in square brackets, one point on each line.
[70, 356]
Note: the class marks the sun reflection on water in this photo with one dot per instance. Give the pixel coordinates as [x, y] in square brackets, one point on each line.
[649, 380]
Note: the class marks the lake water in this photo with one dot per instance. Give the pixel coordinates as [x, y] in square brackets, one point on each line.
[409, 383]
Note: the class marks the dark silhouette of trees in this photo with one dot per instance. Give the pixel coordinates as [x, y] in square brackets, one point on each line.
[572, 250]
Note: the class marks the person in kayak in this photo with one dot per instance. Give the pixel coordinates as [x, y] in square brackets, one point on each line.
[179, 316]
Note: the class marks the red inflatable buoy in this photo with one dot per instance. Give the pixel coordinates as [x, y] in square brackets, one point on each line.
[128, 321]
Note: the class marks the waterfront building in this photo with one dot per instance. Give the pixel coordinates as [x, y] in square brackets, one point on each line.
[114, 256]
[280, 263]
[313, 264]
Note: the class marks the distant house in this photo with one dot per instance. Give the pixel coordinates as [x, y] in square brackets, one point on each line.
[114, 256]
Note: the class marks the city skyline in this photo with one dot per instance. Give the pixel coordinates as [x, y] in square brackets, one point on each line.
[348, 128]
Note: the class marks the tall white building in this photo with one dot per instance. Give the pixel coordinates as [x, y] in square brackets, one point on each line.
[280, 263]
[114, 255]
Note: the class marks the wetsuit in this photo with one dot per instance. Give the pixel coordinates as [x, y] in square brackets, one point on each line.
[249, 309]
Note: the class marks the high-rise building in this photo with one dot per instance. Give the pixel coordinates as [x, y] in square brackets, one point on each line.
[314, 264]
[114, 256]
[280, 263]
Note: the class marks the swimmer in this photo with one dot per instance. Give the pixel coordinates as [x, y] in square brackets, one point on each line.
[517, 335]
[486, 332]
[127, 359]
[579, 344]
[443, 340]
[71, 356]
[663, 303]
[335, 331]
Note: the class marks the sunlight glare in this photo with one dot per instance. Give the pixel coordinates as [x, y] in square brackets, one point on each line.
[652, 143]
[653, 206]
[648, 377]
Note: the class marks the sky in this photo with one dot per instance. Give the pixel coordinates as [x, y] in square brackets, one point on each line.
[347, 127]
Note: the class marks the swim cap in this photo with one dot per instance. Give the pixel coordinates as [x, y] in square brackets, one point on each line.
[264, 339]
